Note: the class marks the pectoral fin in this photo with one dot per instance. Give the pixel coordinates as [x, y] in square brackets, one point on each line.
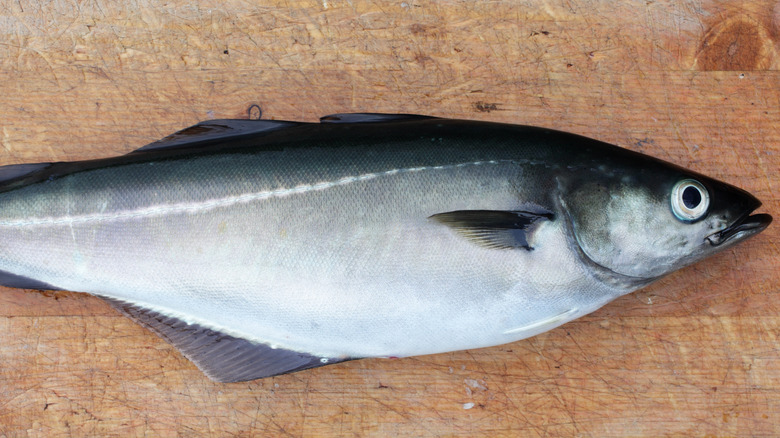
[222, 357]
[494, 228]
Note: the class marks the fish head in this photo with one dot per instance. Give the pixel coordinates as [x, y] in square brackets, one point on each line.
[638, 218]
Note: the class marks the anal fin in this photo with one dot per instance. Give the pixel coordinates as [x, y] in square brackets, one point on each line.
[8, 279]
[222, 357]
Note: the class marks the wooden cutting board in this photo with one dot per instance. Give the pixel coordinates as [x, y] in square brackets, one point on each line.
[695, 83]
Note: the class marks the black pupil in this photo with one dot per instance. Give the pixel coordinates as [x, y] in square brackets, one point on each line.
[691, 197]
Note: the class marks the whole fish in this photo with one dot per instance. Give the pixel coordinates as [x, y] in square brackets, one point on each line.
[261, 247]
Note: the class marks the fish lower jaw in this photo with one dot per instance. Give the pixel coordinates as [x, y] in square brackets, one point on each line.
[741, 229]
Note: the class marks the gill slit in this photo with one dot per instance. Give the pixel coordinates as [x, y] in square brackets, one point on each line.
[597, 270]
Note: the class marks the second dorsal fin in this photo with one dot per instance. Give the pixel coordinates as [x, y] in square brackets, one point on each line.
[370, 118]
[225, 129]
[220, 129]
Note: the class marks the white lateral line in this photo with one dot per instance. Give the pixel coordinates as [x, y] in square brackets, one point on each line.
[210, 204]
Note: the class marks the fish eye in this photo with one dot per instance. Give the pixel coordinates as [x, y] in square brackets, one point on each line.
[690, 200]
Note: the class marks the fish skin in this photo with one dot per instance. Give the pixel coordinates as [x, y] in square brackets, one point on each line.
[322, 239]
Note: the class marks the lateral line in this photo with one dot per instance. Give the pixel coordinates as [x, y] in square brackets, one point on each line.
[200, 206]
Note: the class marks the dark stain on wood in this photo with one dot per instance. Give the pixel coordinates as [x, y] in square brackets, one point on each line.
[426, 31]
[737, 43]
[486, 107]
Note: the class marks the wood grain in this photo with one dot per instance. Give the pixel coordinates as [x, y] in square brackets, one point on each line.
[693, 82]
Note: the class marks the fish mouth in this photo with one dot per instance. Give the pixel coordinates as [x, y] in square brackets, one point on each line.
[745, 226]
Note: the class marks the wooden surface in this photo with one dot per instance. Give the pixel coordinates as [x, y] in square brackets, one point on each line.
[694, 82]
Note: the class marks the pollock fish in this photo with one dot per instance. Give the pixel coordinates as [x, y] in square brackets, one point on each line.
[261, 247]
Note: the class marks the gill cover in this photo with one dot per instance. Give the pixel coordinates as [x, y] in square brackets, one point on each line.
[629, 227]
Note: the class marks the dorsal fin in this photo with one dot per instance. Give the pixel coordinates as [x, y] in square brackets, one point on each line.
[222, 357]
[220, 129]
[494, 228]
[370, 118]
[16, 171]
